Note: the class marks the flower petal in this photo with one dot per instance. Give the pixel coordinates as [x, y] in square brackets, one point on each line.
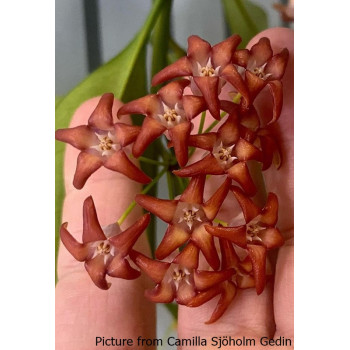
[229, 131]
[203, 141]
[180, 68]
[250, 210]
[80, 137]
[246, 151]
[78, 250]
[229, 292]
[96, 269]
[125, 133]
[193, 105]
[222, 52]
[204, 296]
[261, 52]
[277, 65]
[101, 118]
[236, 235]
[254, 83]
[213, 204]
[179, 135]
[87, 164]
[209, 88]
[119, 162]
[198, 50]
[161, 293]
[269, 214]
[150, 130]
[271, 238]
[231, 75]
[257, 254]
[147, 105]
[92, 230]
[205, 242]
[163, 208]
[184, 293]
[188, 257]
[240, 57]
[207, 165]
[276, 89]
[125, 240]
[174, 237]
[229, 256]
[207, 279]
[172, 92]
[121, 268]
[194, 191]
[240, 173]
[155, 269]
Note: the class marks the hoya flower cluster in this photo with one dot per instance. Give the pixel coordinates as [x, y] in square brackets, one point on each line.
[232, 256]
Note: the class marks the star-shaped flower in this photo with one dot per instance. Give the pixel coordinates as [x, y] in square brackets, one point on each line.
[104, 250]
[168, 110]
[186, 218]
[258, 235]
[260, 68]
[228, 154]
[101, 144]
[208, 69]
[178, 281]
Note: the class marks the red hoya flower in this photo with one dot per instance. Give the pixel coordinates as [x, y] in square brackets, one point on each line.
[166, 110]
[263, 68]
[104, 250]
[258, 235]
[177, 281]
[101, 143]
[186, 218]
[228, 154]
[208, 68]
[228, 288]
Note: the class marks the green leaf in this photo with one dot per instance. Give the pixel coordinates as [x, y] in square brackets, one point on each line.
[173, 309]
[124, 75]
[160, 42]
[244, 18]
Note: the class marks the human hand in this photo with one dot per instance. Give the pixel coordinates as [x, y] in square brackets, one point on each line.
[84, 312]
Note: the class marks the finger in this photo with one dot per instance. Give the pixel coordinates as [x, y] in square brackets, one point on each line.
[281, 182]
[252, 314]
[83, 311]
[284, 291]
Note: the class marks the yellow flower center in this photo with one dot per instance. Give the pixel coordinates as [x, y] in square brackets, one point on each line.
[170, 115]
[178, 275]
[207, 71]
[105, 143]
[103, 248]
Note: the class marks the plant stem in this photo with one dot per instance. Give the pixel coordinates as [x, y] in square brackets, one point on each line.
[144, 191]
[237, 98]
[151, 161]
[170, 184]
[201, 125]
[223, 223]
[214, 123]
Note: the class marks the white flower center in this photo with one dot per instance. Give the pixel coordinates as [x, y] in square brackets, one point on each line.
[171, 116]
[253, 230]
[260, 72]
[107, 144]
[178, 274]
[208, 70]
[103, 248]
[189, 216]
[223, 154]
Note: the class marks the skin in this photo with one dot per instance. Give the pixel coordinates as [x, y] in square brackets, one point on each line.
[84, 312]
